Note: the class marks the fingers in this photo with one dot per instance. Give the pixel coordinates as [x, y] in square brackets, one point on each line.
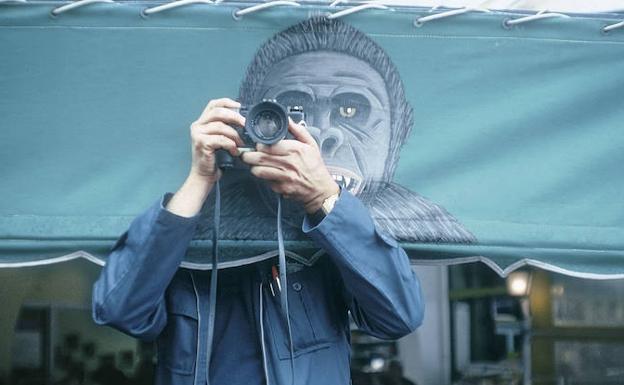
[272, 174]
[215, 142]
[257, 158]
[218, 128]
[222, 102]
[221, 114]
[300, 132]
[283, 147]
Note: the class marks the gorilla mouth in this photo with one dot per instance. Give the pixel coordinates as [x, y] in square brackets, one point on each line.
[346, 179]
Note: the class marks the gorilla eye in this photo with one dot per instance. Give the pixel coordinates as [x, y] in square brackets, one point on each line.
[350, 107]
[347, 112]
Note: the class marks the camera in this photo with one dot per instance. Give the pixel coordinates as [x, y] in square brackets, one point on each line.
[266, 122]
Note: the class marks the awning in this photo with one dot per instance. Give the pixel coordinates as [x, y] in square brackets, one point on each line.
[493, 136]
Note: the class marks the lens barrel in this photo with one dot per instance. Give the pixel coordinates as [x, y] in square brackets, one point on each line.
[267, 122]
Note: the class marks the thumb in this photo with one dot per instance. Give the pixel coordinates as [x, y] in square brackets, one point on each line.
[300, 132]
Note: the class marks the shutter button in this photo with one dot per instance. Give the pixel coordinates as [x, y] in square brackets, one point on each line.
[296, 286]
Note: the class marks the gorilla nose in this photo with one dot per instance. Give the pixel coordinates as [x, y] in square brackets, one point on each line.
[329, 140]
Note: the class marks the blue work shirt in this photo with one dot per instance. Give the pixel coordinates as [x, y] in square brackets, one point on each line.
[143, 292]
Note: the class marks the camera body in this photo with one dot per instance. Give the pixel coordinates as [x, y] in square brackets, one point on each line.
[266, 122]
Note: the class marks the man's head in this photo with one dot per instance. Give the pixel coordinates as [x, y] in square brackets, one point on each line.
[351, 93]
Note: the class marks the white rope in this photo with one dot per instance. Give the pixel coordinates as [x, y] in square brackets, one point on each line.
[258, 7]
[13, 1]
[355, 9]
[611, 27]
[453, 12]
[174, 4]
[538, 16]
[80, 3]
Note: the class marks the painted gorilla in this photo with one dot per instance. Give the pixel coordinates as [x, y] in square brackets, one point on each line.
[356, 109]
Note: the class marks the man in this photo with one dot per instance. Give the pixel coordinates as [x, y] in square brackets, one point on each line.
[143, 292]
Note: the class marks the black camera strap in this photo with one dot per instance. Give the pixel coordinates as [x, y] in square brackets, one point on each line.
[213, 283]
[213, 279]
[284, 291]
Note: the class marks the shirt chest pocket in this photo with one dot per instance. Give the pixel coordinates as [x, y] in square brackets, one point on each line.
[313, 312]
[177, 344]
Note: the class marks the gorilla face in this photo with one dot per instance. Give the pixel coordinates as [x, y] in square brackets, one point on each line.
[358, 109]
[346, 108]
[347, 104]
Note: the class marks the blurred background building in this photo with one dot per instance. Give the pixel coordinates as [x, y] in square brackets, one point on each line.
[535, 327]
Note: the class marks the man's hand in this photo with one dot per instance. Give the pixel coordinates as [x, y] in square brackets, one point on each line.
[213, 131]
[294, 168]
[210, 132]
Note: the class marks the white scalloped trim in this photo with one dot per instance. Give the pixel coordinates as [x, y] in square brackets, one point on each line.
[185, 264]
[516, 265]
[269, 254]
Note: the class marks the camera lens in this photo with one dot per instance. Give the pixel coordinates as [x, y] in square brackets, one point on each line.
[267, 122]
[267, 125]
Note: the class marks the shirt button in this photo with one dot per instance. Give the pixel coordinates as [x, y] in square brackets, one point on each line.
[296, 286]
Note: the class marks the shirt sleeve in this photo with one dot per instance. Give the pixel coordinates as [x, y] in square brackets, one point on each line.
[380, 289]
[129, 293]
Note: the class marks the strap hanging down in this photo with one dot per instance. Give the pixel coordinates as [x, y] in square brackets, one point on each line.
[213, 279]
[284, 291]
[213, 283]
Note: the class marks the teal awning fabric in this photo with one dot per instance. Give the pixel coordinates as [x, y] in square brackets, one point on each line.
[514, 156]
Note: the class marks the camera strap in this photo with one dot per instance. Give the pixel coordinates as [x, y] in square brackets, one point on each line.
[284, 291]
[213, 284]
[213, 279]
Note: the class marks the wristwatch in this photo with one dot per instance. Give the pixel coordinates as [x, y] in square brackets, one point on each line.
[329, 202]
[326, 207]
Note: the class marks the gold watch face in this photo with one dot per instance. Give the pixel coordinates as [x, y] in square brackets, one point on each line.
[328, 203]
